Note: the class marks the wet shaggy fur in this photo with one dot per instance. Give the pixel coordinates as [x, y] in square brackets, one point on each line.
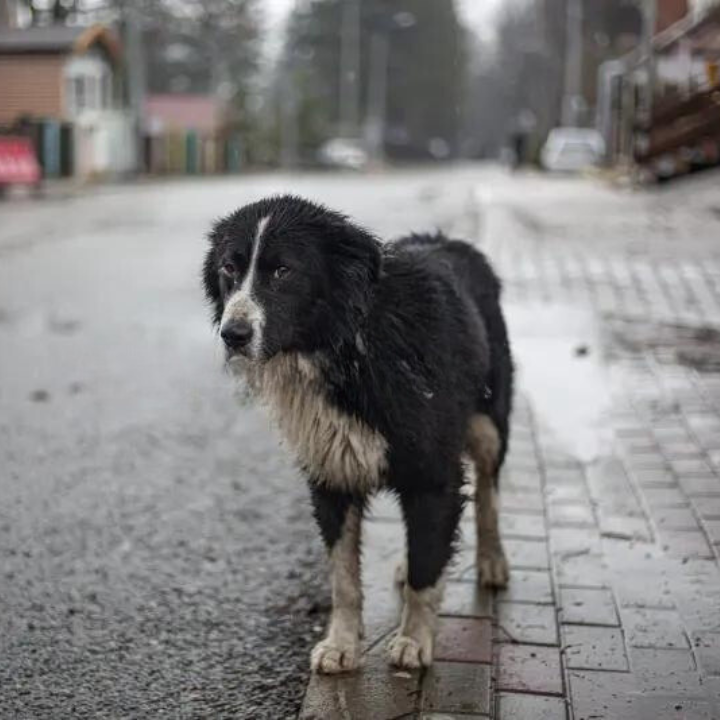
[383, 365]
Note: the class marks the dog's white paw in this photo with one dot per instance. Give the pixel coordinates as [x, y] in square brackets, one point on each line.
[409, 653]
[331, 657]
[492, 566]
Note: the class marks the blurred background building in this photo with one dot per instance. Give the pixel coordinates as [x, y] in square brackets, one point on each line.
[115, 87]
[63, 86]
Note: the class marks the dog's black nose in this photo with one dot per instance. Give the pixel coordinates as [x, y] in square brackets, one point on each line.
[236, 334]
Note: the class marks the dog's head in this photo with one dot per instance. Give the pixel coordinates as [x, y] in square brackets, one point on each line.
[285, 275]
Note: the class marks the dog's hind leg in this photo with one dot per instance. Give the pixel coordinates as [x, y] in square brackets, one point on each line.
[431, 520]
[484, 449]
[340, 517]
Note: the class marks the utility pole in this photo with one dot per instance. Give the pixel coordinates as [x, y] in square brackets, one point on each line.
[289, 131]
[377, 95]
[134, 73]
[573, 101]
[289, 110]
[7, 13]
[350, 68]
[649, 25]
[376, 118]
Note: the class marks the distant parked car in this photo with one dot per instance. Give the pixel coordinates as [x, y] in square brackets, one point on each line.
[572, 149]
[343, 153]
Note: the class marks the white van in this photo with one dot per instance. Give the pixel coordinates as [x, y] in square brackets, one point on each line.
[572, 149]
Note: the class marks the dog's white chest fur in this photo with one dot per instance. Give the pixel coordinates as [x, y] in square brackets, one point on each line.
[340, 451]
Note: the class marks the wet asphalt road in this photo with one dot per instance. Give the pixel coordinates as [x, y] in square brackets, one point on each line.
[157, 553]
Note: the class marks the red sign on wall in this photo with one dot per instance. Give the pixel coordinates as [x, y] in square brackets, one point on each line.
[18, 164]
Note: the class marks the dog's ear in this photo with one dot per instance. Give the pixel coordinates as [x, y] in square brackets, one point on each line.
[211, 281]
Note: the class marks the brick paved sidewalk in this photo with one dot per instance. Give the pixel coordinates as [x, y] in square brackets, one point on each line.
[613, 610]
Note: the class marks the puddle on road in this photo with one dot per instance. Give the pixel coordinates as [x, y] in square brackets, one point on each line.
[558, 354]
[697, 347]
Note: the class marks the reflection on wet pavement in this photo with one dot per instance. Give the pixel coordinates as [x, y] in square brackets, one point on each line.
[560, 366]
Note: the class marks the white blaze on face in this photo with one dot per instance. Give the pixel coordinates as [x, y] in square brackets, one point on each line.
[242, 304]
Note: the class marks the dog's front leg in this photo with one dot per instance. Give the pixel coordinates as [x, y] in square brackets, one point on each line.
[431, 520]
[340, 516]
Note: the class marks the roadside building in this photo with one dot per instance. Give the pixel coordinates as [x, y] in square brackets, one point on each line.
[64, 86]
[659, 106]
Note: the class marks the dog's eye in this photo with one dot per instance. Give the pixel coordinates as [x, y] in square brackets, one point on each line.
[280, 272]
[229, 269]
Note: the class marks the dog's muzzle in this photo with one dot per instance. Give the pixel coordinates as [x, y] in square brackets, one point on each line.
[237, 335]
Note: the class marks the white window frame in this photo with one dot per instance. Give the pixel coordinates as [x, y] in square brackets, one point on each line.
[89, 78]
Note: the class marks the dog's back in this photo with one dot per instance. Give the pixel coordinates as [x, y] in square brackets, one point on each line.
[474, 277]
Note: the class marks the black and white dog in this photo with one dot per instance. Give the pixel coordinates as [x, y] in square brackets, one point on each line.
[383, 365]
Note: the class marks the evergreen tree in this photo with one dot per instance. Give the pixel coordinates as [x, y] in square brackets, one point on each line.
[201, 46]
[425, 71]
